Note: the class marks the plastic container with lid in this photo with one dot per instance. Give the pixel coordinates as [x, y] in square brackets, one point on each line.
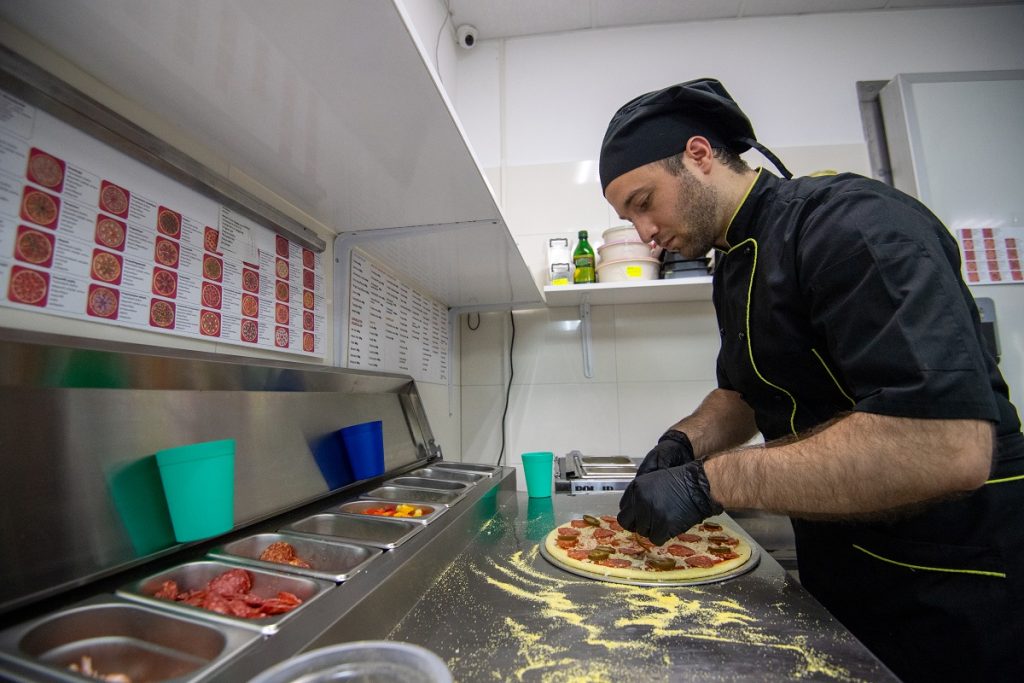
[379, 661]
[628, 270]
[621, 233]
[616, 251]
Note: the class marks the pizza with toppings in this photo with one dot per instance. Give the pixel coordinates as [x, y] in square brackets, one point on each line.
[600, 547]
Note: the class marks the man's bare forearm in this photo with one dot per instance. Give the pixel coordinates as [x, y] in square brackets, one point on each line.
[723, 420]
[860, 465]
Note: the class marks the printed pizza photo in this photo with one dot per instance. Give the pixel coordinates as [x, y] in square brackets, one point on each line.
[106, 266]
[281, 268]
[250, 331]
[212, 268]
[281, 314]
[165, 282]
[308, 280]
[250, 280]
[168, 222]
[307, 321]
[109, 232]
[209, 324]
[46, 170]
[40, 208]
[250, 305]
[308, 260]
[307, 342]
[28, 286]
[166, 252]
[282, 245]
[307, 300]
[33, 246]
[281, 337]
[281, 291]
[211, 238]
[211, 295]
[599, 547]
[113, 199]
[161, 313]
[102, 301]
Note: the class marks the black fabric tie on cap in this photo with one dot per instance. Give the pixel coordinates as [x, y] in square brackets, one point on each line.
[767, 154]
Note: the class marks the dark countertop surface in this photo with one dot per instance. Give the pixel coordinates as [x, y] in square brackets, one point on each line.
[501, 612]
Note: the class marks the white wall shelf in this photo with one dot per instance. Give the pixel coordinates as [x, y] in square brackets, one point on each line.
[330, 105]
[644, 292]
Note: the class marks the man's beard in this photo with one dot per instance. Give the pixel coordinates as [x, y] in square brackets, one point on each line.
[697, 209]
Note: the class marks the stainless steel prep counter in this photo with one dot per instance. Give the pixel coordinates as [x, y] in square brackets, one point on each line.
[500, 611]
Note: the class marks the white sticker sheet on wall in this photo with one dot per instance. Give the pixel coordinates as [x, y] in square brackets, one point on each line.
[87, 232]
[991, 255]
[392, 327]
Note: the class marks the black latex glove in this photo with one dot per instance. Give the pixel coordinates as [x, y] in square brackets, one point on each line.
[665, 503]
[673, 449]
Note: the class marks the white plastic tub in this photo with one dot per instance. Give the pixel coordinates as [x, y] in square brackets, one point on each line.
[628, 270]
[621, 233]
[617, 251]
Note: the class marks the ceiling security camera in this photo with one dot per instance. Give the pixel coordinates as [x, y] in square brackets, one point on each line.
[466, 35]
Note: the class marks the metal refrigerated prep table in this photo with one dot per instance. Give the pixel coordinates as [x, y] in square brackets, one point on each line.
[500, 611]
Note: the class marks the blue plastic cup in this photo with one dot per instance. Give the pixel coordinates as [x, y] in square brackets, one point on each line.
[537, 468]
[199, 485]
[364, 448]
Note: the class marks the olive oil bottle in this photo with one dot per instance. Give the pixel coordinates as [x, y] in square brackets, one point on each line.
[583, 259]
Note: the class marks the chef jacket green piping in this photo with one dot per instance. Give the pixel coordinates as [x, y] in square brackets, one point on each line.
[978, 572]
[750, 348]
[725, 237]
[829, 371]
[1005, 479]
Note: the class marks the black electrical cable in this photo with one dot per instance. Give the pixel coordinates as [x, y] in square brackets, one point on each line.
[508, 391]
[437, 43]
[470, 325]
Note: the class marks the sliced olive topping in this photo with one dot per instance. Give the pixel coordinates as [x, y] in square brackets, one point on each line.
[712, 526]
[605, 548]
[567, 538]
[592, 521]
[661, 564]
[719, 550]
[596, 555]
[718, 538]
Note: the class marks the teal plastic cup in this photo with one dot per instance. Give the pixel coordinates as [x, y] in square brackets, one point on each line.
[199, 485]
[364, 448]
[537, 467]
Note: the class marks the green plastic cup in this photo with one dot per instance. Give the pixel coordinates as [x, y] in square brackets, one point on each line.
[537, 467]
[199, 485]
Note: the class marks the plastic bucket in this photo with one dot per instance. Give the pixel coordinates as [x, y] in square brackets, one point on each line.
[199, 485]
[364, 448]
[537, 468]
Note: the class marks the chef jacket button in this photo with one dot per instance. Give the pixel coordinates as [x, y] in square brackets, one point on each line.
[741, 336]
[721, 331]
[746, 251]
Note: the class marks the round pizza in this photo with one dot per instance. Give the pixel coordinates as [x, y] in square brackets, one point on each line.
[102, 301]
[250, 330]
[211, 295]
[27, 286]
[168, 223]
[113, 199]
[250, 305]
[105, 267]
[307, 258]
[212, 268]
[166, 253]
[601, 548]
[39, 207]
[281, 268]
[109, 233]
[165, 283]
[45, 170]
[307, 300]
[281, 315]
[161, 313]
[210, 239]
[33, 246]
[307, 342]
[209, 324]
[281, 291]
[307, 321]
[250, 281]
[281, 337]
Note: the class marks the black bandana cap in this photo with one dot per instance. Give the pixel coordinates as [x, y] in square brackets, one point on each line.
[657, 125]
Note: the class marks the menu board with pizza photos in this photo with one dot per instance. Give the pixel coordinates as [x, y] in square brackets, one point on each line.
[87, 232]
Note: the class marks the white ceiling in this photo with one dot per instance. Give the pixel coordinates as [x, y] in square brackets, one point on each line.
[508, 18]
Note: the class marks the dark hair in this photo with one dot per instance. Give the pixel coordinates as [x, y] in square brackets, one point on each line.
[729, 158]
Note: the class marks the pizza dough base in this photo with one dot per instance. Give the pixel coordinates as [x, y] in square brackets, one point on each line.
[670, 576]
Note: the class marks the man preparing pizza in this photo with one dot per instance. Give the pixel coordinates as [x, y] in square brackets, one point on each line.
[849, 340]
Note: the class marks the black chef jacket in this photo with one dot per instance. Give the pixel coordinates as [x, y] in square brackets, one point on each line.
[840, 294]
